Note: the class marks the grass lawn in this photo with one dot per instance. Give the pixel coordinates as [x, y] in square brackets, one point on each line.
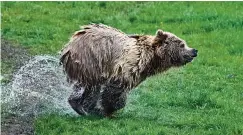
[204, 97]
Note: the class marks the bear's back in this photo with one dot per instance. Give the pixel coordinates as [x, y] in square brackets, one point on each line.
[91, 54]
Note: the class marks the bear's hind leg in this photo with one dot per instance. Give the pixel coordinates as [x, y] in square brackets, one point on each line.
[85, 101]
[76, 99]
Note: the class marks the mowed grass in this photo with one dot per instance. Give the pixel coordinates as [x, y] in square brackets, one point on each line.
[203, 97]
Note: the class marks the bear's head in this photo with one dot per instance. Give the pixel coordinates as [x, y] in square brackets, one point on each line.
[170, 48]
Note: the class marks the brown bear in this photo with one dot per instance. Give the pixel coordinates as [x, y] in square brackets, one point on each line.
[104, 64]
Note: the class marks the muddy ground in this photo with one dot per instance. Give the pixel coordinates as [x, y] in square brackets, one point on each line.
[12, 58]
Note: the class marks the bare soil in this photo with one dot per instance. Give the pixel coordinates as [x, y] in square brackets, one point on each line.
[12, 58]
[17, 125]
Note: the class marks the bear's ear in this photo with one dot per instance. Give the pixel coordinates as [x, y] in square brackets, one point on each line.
[159, 38]
[161, 35]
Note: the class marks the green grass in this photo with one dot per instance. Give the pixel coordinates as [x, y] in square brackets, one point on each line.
[204, 97]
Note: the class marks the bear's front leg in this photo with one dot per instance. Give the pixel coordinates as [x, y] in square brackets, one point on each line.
[113, 99]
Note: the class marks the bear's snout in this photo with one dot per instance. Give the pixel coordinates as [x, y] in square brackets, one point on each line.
[194, 52]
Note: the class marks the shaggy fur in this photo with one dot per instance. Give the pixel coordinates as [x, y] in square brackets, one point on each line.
[105, 64]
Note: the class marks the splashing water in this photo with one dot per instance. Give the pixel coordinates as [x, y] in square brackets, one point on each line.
[38, 87]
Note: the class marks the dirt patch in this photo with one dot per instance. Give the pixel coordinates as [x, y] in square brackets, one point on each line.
[12, 58]
[16, 125]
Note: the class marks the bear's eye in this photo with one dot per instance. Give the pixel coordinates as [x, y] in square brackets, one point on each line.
[182, 45]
